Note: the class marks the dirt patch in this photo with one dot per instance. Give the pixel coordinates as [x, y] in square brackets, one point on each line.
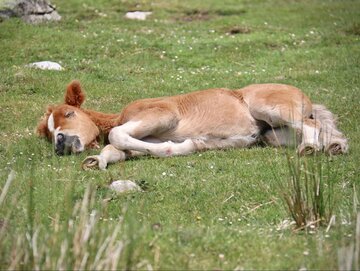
[205, 15]
[272, 45]
[195, 15]
[238, 30]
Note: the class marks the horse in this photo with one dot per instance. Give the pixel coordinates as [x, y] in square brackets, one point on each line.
[271, 114]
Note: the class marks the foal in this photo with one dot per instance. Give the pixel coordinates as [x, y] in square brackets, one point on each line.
[275, 114]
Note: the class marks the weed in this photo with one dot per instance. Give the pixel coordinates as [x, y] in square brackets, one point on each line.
[308, 191]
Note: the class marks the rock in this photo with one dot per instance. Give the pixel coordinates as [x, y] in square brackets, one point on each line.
[46, 65]
[122, 186]
[138, 15]
[31, 11]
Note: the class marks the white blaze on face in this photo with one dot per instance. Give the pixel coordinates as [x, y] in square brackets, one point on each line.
[51, 123]
[51, 127]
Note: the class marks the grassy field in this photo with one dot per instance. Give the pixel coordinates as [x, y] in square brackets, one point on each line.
[214, 210]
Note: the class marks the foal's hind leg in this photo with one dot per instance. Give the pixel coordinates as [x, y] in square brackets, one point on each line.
[305, 136]
[283, 115]
[310, 130]
[332, 140]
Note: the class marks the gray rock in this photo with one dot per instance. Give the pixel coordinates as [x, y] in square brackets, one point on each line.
[31, 11]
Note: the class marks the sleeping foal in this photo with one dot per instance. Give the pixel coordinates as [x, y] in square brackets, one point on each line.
[274, 114]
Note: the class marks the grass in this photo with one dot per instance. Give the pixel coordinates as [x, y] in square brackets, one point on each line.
[214, 210]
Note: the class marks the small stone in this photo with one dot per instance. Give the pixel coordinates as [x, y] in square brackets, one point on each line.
[138, 15]
[46, 65]
[122, 186]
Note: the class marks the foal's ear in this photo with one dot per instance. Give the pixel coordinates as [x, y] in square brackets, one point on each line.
[74, 95]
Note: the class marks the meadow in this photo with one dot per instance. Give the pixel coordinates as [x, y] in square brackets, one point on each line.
[212, 210]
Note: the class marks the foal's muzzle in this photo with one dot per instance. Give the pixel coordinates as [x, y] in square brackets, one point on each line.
[65, 144]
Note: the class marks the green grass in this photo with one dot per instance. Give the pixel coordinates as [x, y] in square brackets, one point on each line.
[217, 210]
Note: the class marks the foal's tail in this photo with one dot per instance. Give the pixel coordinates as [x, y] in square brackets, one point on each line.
[332, 140]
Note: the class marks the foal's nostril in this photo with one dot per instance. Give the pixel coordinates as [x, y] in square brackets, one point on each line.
[60, 138]
[60, 144]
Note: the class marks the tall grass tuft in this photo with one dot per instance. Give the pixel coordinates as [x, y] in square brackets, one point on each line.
[308, 191]
[82, 241]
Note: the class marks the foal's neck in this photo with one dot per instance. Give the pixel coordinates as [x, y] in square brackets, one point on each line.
[104, 121]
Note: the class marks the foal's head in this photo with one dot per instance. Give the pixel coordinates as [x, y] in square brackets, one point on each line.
[71, 130]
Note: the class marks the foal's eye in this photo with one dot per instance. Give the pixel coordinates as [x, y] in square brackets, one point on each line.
[69, 114]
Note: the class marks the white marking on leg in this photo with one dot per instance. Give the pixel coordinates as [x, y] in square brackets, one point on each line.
[310, 135]
[182, 148]
[111, 154]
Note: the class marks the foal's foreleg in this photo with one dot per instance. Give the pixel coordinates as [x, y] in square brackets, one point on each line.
[155, 123]
[108, 155]
[122, 137]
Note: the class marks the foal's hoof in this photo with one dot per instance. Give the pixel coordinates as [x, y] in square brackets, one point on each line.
[335, 149]
[307, 149]
[94, 162]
